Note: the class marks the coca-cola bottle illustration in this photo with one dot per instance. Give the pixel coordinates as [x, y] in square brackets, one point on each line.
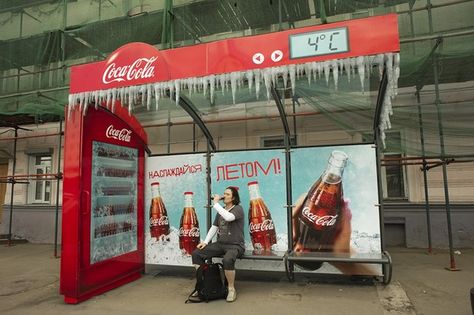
[261, 227]
[321, 208]
[188, 226]
[159, 223]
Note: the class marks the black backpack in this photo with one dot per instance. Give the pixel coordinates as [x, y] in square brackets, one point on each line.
[211, 283]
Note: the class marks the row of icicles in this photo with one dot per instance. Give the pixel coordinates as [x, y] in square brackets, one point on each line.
[143, 94]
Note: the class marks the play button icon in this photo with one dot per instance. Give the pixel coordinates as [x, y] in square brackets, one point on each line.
[277, 55]
[258, 58]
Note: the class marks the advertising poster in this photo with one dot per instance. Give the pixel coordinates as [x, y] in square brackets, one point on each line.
[261, 182]
[175, 213]
[335, 197]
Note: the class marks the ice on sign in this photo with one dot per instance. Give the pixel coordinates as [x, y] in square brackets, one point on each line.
[326, 42]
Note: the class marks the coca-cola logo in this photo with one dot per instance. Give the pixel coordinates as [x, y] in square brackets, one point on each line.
[159, 221]
[122, 135]
[324, 220]
[141, 68]
[192, 232]
[263, 226]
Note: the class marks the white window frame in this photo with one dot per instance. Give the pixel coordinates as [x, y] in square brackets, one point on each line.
[34, 168]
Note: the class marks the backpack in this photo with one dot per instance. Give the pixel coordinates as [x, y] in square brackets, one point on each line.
[211, 283]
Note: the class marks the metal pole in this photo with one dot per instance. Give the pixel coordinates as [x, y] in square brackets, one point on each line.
[169, 132]
[12, 189]
[425, 177]
[376, 130]
[208, 182]
[59, 177]
[452, 266]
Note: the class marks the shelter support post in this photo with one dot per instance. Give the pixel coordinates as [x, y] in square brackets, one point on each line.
[376, 130]
[58, 178]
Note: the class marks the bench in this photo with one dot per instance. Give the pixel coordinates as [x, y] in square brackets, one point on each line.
[383, 259]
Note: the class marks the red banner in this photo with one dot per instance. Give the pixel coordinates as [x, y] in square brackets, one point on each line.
[139, 63]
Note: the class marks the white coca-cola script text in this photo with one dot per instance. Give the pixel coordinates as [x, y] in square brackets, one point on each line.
[159, 221]
[141, 68]
[193, 232]
[325, 220]
[260, 227]
[122, 135]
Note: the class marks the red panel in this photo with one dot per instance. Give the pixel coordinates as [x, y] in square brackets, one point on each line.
[367, 36]
[79, 279]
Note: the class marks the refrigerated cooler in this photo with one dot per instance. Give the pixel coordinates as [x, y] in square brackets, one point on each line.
[102, 230]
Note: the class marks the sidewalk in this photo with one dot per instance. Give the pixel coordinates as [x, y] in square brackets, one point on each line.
[29, 284]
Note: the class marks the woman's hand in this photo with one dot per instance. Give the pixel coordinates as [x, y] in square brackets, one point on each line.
[201, 245]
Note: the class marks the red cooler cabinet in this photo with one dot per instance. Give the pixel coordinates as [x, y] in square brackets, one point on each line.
[102, 213]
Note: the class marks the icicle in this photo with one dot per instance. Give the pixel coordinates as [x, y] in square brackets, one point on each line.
[361, 70]
[95, 95]
[335, 72]
[70, 104]
[340, 63]
[292, 70]
[148, 93]
[258, 74]
[114, 98]
[267, 80]
[274, 74]
[307, 70]
[233, 84]
[170, 86]
[204, 85]
[379, 61]
[86, 102]
[284, 74]
[396, 73]
[212, 83]
[156, 87]
[249, 76]
[142, 91]
[313, 70]
[347, 67]
[326, 71]
[353, 64]
[318, 68]
[177, 86]
[222, 82]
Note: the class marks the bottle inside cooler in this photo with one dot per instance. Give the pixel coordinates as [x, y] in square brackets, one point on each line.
[113, 201]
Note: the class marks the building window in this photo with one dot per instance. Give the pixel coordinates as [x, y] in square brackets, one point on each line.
[393, 173]
[40, 190]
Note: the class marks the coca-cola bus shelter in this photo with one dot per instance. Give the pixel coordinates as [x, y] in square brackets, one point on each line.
[139, 77]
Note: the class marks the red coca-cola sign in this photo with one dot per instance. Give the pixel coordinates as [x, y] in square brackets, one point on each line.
[134, 64]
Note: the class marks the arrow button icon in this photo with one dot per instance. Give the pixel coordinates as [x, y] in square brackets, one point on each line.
[277, 55]
[258, 58]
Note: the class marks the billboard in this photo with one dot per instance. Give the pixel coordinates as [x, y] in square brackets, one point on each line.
[336, 204]
[175, 207]
[260, 178]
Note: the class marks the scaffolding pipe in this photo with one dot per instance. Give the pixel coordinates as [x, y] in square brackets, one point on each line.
[12, 190]
[57, 190]
[452, 266]
[28, 137]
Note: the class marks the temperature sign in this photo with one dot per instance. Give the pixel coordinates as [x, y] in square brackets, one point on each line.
[325, 42]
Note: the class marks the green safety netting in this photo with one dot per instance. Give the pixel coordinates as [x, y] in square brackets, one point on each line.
[41, 39]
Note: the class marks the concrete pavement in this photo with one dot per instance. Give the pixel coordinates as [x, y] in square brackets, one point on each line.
[29, 284]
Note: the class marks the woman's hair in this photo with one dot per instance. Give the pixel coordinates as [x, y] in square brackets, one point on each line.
[235, 195]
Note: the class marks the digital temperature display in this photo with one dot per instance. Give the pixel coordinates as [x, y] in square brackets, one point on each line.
[325, 42]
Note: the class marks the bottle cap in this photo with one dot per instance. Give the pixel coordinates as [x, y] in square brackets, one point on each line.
[188, 193]
[155, 184]
[253, 183]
